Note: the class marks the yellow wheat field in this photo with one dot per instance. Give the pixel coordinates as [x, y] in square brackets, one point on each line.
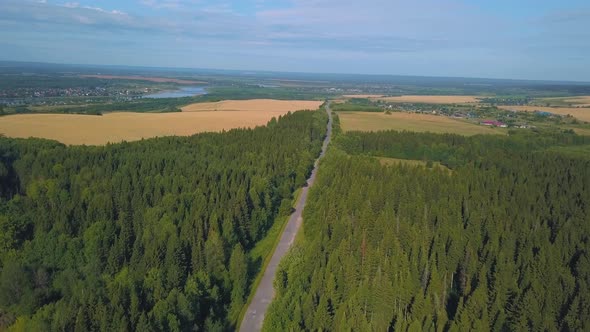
[122, 126]
[578, 101]
[579, 113]
[270, 105]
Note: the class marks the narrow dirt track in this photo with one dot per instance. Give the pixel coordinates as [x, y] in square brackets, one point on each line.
[265, 292]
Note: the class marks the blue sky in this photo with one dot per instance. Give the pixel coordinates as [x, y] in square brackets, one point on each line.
[496, 38]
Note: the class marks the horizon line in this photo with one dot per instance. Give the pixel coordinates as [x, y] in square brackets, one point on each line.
[294, 72]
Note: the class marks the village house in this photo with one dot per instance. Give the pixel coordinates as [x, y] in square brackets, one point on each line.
[493, 123]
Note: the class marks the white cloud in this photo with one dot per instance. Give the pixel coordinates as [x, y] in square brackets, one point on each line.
[83, 19]
[71, 5]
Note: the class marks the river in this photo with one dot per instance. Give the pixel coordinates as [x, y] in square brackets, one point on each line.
[187, 91]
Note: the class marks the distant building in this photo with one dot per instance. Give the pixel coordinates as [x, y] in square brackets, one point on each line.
[494, 123]
[543, 113]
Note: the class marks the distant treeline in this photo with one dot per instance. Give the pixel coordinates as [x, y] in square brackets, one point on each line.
[162, 105]
[147, 236]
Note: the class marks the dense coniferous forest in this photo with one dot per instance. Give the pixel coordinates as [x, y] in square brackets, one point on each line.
[500, 242]
[150, 235]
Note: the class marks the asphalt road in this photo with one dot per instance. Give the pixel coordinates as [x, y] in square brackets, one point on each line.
[265, 292]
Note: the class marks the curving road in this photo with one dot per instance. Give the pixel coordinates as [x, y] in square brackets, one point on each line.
[265, 292]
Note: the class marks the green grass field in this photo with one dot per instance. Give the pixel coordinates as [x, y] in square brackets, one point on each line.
[412, 122]
[580, 151]
[582, 131]
[348, 107]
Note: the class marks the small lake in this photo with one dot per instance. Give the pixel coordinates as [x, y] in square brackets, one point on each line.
[187, 91]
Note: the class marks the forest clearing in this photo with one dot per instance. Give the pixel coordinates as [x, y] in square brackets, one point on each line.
[365, 121]
[386, 161]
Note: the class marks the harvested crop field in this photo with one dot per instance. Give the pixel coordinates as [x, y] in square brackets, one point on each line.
[364, 121]
[143, 78]
[583, 101]
[115, 127]
[579, 101]
[579, 113]
[582, 131]
[432, 99]
[267, 105]
[127, 126]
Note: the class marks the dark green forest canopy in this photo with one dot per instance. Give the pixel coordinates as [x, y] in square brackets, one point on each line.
[499, 243]
[150, 235]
